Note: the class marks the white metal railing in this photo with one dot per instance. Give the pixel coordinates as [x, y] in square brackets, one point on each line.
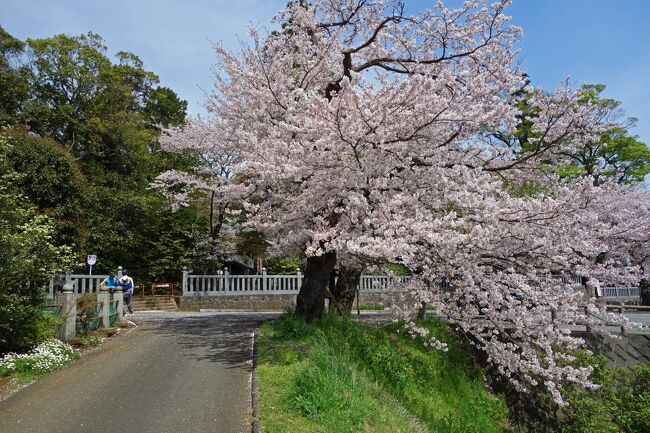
[621, 292]
[225, 284]
[375, 283]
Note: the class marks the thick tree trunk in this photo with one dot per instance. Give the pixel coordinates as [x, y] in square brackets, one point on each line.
[310, 303]
[644, 289]
[345, 290]
[422, 311]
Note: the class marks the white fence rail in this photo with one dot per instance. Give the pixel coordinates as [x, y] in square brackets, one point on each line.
[82, 283]
[621, 292]
[225, 284]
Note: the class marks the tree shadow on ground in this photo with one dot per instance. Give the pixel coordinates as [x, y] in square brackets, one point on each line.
[223, 338]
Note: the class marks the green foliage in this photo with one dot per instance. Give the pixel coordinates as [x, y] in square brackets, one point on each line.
[87, 313]
[343, 376]
[92, 151]
[621, 404]
[27, 255]
[14, 79]
[283, 265]
[48, 175]
[615, 154]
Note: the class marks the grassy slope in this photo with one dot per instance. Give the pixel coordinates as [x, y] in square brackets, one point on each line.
[341, 376]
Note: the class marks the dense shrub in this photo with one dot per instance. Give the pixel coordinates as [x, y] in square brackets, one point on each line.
[621, 404]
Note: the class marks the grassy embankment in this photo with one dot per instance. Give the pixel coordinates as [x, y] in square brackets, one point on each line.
[341, 376]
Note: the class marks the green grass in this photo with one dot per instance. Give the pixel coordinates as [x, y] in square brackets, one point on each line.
[341, 376]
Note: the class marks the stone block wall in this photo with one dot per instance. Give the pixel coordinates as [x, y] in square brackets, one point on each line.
[238, 302]
[273, 302]
[629, 350]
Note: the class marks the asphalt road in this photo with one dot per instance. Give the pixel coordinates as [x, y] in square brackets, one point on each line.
[174, 373]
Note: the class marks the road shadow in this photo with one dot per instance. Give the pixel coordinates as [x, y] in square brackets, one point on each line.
[222, 338]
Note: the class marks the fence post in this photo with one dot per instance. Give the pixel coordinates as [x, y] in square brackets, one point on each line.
[299, 275]
[185, 288]
[621, 309]
[587, 325]
[68, 301]
[104, 298]
[226, 281]
[119, 272]
[118, 297]
[51, 288]
[264, 281]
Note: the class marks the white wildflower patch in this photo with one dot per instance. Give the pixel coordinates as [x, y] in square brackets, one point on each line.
[45, 357]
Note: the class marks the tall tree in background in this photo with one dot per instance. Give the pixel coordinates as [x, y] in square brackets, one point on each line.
[614, 154]
[107, 115]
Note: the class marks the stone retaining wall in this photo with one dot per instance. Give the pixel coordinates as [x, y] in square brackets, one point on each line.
[627, 351]
[267, 302]
[238, 302]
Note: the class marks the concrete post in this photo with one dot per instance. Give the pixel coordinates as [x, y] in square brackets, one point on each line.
[185, 274]
[226, 281]
[104, 299]
[264, 280]
[50, 291]
[119, 272]
[118, 298]
[299, 275]
[68, 301]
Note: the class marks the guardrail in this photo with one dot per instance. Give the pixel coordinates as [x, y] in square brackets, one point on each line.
[226, 284]
[621, 292]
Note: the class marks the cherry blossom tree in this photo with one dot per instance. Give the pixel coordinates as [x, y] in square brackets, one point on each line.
[211, 180]
[368, 133]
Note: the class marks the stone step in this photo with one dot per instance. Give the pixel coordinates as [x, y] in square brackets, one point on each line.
[158, 304]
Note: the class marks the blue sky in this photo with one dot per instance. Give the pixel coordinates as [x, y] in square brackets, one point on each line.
[591, 41]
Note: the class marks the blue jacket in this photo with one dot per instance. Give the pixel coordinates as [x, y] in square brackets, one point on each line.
[126, 286]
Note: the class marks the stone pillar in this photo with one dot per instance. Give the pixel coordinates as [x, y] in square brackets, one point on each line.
[119, 305]
[299, 275]
[104, 299]
[68, 301]
[226, 281]
[185, 274]
[119, 272]
[264, 280]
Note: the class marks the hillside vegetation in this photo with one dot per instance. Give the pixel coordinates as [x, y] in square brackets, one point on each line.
[341, 376]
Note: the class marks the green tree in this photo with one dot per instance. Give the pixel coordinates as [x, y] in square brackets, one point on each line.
[104, 116]
[27, 256]
[14, 79]
[50, 177]
[616, 154]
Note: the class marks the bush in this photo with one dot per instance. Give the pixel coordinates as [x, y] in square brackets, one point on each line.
[621, 404]
[20, 323]
[87, 313]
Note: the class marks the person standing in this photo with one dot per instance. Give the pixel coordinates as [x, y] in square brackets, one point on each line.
[110, 283]
[126, 283]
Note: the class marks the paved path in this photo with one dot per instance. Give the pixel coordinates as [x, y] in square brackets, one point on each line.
[174, 373]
